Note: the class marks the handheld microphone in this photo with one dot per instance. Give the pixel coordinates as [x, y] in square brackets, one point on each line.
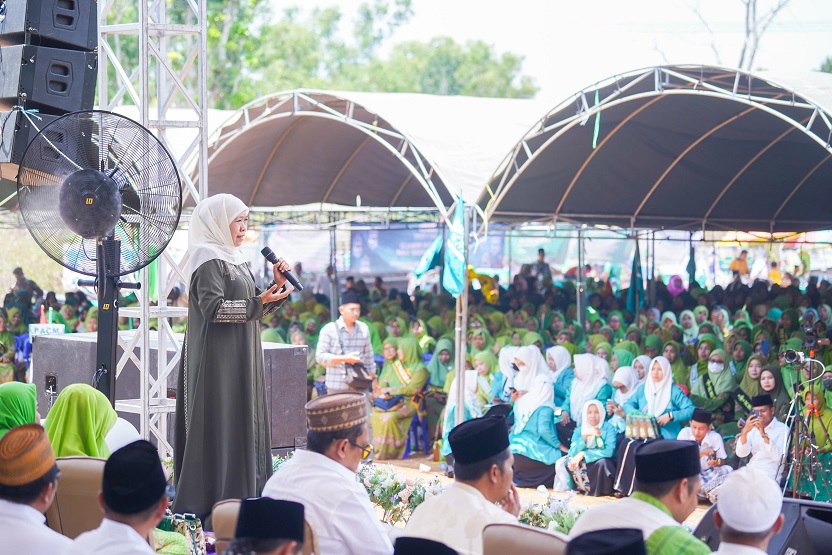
[272, 257]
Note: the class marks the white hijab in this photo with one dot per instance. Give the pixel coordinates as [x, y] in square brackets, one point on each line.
[541, 393]
[645, 361]
[658, 394]
[586, 427]
[534, 366]
[471, 403]
[628, 377]
[562, 358]
[505, 360]
[209, 236]
[591, 373]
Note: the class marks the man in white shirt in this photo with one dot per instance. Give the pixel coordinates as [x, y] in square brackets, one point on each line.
[667, 479]
[763, 438]
[28, 482]
[323, 478]
[748, 512]
[133, 497]
[483, 491]
[712, 453]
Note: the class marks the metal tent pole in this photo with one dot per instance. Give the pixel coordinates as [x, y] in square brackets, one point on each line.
[462, 326]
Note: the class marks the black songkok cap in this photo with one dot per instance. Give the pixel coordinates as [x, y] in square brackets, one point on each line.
[702, 415]
[133, 478]
[619, 541]
[265, 518]
[478, 439]
[665, 460]
[421, 546]
[349, 298]
[763, 400]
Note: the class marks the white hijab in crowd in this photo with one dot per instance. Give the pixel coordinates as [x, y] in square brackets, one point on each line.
[505, 361]
[645, 361]
[628, 377]
[591, 373]
[690, 334]
[586, 427]
[471, 403]
[533, 365]
[209, 235]
[535, 379]
[658, 394]
[562, 358]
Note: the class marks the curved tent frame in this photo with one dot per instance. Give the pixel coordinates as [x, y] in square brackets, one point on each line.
[686, 147]
[285, 111]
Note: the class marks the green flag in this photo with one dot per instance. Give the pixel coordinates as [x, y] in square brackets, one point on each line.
[431, 259]
[454, 275]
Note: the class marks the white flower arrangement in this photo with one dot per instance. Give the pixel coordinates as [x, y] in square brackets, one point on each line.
[396, 495]
[555, 515]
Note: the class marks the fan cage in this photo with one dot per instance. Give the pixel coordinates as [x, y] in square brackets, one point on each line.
[141, 168]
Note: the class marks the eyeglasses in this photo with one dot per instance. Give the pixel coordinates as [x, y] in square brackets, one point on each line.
[365, 450]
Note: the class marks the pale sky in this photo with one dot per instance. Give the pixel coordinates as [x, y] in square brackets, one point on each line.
[570, 45]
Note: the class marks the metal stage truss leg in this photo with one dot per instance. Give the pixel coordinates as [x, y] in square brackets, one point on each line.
[153, 67]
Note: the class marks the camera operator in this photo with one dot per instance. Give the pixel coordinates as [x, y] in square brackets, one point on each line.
[763, 437]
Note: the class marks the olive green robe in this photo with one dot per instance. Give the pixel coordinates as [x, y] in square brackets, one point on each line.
[222, 446]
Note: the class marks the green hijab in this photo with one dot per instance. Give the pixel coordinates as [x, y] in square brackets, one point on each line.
[749, 385]
[436, 326]
[438, 371]
[79, 421]
[681, 374]
[489, 359]
[607, 348]
[17, 405]
[411, 353]
[741, 364]
[723, 381]
[272, 335]
[387, 368]
[20, 328]
[624, 357]
[531, 337]
[629, 346]
[702, 365]
[655, 342]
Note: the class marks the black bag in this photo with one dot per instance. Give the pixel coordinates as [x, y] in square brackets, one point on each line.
[356, 375]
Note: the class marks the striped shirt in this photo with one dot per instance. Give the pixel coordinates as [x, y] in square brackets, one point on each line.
[335, 340]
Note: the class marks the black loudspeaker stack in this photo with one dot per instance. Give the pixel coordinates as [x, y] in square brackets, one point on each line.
[48, 66]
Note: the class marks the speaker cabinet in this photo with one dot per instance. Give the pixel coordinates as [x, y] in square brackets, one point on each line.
[70, 24]
[52, 80]
[17, 131]
[60, 360]
[807, 529]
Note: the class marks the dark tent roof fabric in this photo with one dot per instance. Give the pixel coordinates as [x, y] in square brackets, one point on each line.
[684, 147]
[302, 148]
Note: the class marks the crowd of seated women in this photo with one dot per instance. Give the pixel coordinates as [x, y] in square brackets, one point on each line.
[575, 395]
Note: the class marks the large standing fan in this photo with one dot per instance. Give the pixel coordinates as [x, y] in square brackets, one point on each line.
[102, 197]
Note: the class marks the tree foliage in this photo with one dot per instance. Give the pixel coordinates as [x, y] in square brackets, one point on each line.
[826, 66]
[253, 53]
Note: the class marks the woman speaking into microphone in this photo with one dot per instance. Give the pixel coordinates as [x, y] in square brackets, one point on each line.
[222, 448]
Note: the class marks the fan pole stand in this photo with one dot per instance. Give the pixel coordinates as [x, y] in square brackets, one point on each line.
[107, 286]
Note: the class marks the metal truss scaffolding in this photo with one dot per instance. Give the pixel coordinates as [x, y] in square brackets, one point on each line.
[152, 57]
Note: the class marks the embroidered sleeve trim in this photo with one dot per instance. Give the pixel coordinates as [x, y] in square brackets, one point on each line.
[233, 312]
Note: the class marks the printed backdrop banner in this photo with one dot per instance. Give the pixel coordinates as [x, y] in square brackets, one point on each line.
[390, 250]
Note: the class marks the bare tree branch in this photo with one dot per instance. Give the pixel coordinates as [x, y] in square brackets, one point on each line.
[698, 13]
[755, 28]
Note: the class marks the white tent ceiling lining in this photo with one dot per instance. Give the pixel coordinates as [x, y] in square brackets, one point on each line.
[689, 147]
